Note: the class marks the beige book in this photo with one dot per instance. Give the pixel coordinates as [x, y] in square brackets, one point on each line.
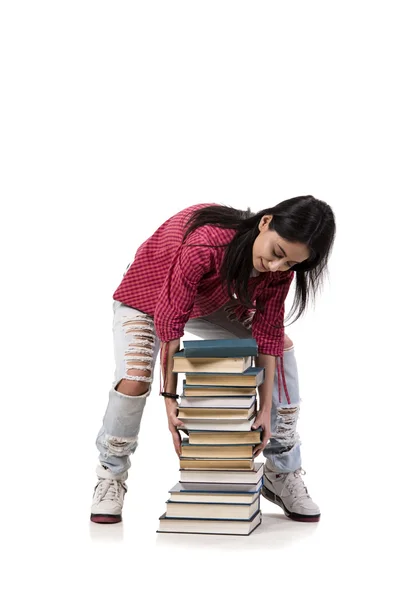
[225, 437]
[217, 451]
[223, 464]
[211, 511]
[211, 365]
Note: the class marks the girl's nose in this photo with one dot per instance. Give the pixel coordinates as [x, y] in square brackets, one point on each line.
[275, 265]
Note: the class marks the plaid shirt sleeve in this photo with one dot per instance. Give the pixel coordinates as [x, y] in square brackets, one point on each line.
[179, 290]
[267, 327]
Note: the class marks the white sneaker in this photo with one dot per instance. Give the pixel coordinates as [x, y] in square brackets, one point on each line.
[288, 491]
[108, 497]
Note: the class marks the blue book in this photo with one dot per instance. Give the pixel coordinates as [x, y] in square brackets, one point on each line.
[220, 348]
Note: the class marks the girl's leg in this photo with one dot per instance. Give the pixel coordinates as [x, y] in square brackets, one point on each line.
[283, 451]
[135, 348]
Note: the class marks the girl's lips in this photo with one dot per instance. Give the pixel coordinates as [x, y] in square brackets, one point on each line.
[264, 267]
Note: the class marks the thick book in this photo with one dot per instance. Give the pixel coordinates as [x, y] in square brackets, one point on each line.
[217, 402]
[223, 464]
[215, 451]
[216, 413]
[220, 348]
[223, 487]
[182, 364]
[217, 424]
[179, 494]
[222, 476]
[209, 526]
[204, 510]
[210, 390]
[253, 376]
[225, 437]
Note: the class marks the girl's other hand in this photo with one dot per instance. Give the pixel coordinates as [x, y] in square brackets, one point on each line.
[263, 420]
[171, 406]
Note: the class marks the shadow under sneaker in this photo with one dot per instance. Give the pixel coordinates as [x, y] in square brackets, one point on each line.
[288, 491]
[108, 497]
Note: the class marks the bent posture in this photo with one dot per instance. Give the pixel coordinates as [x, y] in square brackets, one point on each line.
[216, 272]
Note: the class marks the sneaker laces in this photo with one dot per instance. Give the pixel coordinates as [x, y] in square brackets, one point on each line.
[109, 489]
[295, 485]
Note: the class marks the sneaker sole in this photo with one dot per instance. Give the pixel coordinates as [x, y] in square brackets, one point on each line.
[268, 495]
[106, 519]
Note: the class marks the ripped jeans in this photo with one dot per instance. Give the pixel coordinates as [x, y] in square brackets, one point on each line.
[136, 344]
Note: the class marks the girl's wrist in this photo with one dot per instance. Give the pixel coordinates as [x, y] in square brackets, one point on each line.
[171, 395]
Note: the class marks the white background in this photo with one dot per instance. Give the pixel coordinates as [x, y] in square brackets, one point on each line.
[114, 116]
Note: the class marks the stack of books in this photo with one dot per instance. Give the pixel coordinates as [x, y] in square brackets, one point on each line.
[219, 487]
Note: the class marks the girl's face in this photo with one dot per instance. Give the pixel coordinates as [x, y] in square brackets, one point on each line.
[272, 252]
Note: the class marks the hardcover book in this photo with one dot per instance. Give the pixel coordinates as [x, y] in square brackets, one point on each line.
[217, 401]
[179, 494]
[192, 510]
[253, 376]
[216, 413]
[251, 476]
[220, 348]
[215, 451]
[220, 488]
[209, 526]
[210, 365]
[217, 424]
[225, 437]
[209, 390]
[223, 464]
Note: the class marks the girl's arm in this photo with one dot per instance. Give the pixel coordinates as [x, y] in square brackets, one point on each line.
[268, 324]
[170, 382]
[263, 418]
[170, 379]
[265, 389]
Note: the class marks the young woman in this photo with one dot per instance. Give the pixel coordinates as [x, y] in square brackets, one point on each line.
[215, 271]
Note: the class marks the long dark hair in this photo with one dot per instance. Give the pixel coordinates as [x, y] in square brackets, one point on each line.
[302, 219]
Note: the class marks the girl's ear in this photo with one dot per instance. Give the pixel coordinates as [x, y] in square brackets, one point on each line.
[264, 222]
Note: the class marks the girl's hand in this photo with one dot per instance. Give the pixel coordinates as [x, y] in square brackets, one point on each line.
[171, 406]
[263, 420]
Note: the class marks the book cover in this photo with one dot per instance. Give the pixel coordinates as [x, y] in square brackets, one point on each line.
[220, 348]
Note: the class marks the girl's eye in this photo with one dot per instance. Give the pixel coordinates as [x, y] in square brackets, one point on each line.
[275, 254]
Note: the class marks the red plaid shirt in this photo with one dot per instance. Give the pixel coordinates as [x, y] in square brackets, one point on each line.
[174, 281]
